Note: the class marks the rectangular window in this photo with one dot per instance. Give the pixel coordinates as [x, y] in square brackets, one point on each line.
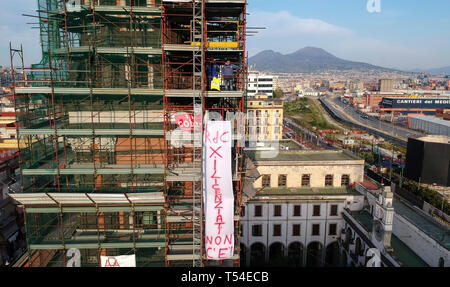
[257, 230]
[334, 210]
[316, 210]
[306, 178]
[277, 230]
[277, 210]
[345, 180]
[296, 230]
[333, 229]
[282, 180]
[315, 229]
[266, 180]
[243, 211]
[297, 210]
[329, 180]
[258, 210]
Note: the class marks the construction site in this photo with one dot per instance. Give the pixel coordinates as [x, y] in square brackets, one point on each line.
[110, 128]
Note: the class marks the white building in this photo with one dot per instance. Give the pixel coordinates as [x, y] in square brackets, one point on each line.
[404, 235]
[298, 209]
[315, 208]
[309, 92]
[259, 83]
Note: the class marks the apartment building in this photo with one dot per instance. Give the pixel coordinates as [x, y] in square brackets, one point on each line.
[264, 118]
[259, 83]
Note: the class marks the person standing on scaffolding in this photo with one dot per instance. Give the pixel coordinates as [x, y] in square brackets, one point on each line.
[228, 75]
[211, 71]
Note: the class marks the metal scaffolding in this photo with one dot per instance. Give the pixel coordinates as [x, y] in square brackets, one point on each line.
[195, 34]
[96, 130]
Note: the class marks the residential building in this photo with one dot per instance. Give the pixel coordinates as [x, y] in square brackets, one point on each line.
[12, 231]
[386, 85]
[259, 84]
[264, 118]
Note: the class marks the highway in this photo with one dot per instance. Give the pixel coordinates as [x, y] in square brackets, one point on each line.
[388, 131]
[375, 123]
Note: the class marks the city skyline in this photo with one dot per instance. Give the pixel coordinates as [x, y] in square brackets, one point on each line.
[345, 29]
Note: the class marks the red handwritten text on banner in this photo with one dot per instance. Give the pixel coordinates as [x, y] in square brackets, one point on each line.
[219, 207]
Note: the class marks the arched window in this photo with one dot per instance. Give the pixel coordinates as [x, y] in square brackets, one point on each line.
[329, 180]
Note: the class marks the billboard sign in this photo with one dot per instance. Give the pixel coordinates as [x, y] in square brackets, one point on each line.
[425, 103]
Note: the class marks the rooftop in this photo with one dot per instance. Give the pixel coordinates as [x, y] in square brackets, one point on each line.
[436, 138]
[431, 119]
[432, 229]
[290, 145]
[405, 254]
[369, 184]
[402, 252]
[364, 218]
[305, 156]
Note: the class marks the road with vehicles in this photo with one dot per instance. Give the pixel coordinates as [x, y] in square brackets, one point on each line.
[373, 122]
[347, 115]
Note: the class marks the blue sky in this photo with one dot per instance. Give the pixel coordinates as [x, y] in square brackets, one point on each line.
[406, 34]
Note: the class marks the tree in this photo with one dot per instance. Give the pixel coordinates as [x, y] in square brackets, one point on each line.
[368, 157]
[278, 93]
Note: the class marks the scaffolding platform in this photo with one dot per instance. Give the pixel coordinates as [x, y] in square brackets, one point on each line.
[209, 94]
[93, 132]
[88, 91]
[109, 50]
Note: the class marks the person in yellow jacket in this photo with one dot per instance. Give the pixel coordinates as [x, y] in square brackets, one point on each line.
[213, 75]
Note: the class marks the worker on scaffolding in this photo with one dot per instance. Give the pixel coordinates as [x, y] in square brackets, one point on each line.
[213, 75]
[228, 75]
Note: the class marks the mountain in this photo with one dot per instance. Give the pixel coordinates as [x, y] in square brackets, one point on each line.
[436, 71]
[307, 60]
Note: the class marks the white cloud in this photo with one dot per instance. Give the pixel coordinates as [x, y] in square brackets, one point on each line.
[284, 23]
[286, 33]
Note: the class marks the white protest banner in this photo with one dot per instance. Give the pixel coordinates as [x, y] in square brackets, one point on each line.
[118, 261]
[218, 191]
